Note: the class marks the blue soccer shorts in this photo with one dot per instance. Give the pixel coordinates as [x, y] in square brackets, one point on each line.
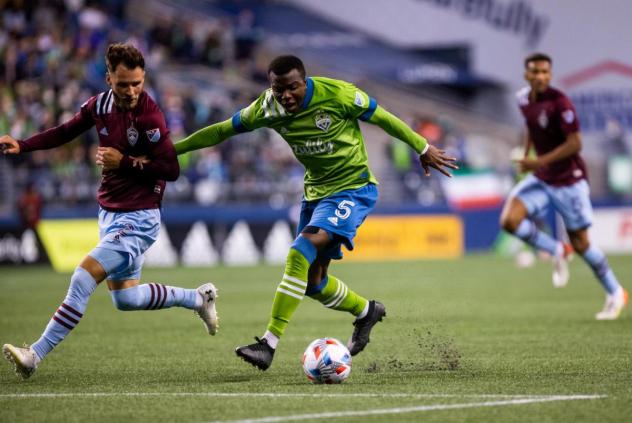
[572, 202]
[340, 214]
[127, 233]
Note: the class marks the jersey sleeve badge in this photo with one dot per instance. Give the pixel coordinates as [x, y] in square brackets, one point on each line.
[153, 135]
[568, 116]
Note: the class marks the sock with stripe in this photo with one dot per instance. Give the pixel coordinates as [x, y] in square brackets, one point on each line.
[598, 262]
[69, 313]
[529, 233]
[155, 296]
[334, 293]
[291, 290]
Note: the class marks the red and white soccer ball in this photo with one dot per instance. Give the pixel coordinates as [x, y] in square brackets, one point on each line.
[327, 360]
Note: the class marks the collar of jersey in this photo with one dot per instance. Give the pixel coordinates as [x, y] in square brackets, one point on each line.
[309, 93]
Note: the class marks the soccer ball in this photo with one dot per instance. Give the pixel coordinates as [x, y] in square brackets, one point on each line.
[326, 360]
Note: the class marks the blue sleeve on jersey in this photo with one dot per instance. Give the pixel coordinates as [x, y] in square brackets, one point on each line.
[369, 112]
[237, 125]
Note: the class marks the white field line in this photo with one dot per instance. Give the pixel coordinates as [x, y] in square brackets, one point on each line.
[27, 395]
[402, 410]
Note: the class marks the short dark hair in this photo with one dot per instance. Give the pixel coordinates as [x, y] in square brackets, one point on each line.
[283, 64]
[537, 57]
[126, 54]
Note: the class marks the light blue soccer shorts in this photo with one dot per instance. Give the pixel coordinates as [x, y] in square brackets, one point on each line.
[572, 202]
[340, 214]
[127, 233]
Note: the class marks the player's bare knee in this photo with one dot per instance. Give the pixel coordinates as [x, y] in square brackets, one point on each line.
[580, 245]
[509, 223]
[317, 236]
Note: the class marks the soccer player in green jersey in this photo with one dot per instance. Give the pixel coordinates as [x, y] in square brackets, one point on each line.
[318, 117]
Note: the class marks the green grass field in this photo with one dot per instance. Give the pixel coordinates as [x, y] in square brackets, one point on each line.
[468, 340]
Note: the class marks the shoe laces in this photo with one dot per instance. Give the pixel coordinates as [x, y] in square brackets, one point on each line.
[261, 344]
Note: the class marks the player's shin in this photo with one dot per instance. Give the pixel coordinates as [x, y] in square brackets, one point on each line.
[69, 313]
[334, 294]
[291, 290]
[599, 264]
[154, 296]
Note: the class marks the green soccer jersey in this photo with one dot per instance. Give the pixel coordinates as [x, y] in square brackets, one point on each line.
[324, 135]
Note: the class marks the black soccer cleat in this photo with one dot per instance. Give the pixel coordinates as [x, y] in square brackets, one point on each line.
[363, 327]
[259, 354]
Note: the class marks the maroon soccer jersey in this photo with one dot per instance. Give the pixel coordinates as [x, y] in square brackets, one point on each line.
[138, 132]
[550, 119]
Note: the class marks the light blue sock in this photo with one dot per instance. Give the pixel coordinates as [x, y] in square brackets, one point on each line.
[153, 296]
[67, 316]
[529, 233]
[597, 260]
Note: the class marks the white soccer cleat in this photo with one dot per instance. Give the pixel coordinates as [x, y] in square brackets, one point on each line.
[614, 305]
[561, 273]
[24, 359]
[207, 311]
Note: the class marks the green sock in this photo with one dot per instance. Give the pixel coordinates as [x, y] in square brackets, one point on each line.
[336, 295]
[290, 292]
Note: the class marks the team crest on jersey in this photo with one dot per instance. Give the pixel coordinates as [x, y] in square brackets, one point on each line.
[153, 135]
[322, 120]
[543, 119]
[132, 135]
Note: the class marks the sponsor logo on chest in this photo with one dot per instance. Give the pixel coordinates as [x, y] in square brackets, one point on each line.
[312, 148]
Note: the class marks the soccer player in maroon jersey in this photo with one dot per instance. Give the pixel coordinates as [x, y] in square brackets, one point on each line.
[559, 180]
[129, 125]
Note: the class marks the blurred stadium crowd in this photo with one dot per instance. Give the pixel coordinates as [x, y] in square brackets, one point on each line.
[50, 69]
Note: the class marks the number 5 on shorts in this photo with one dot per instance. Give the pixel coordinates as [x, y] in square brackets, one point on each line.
[344, 209]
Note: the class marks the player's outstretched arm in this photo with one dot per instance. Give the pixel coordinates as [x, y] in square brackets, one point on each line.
[429, 156]
[50, 138]
[206, 137]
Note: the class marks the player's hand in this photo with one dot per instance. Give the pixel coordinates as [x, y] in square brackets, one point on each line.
[8, 145]
[437, 159]
[528, 164]
[139, 161]
[108, 158]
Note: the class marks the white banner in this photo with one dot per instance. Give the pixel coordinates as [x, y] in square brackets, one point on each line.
[612, 230]
[578, 34]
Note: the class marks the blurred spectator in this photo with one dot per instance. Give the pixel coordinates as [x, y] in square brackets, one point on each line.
[30, 207]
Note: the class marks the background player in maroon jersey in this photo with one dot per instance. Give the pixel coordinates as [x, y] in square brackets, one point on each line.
[559, 179]
[129, 125]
